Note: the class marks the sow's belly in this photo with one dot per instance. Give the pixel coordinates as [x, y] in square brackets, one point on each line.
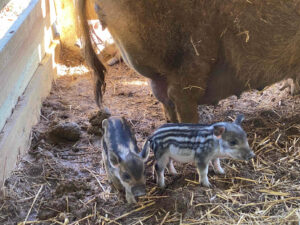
[221, 84]
[182, 155]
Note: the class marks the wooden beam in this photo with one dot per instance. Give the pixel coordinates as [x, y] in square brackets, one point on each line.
[21, 50]
[15, 137]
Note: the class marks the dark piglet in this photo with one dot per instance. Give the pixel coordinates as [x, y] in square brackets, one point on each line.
[124, 166]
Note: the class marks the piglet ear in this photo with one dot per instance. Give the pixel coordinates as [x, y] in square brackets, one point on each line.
[145, 151]
[239, 119]
[218, 131]
[114, 159]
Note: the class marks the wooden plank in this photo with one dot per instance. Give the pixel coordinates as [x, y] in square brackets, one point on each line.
[15, 137]
[3, 3]
[21, 51]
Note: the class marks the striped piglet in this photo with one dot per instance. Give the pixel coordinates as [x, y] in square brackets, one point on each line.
[197, 143]
[123, 164]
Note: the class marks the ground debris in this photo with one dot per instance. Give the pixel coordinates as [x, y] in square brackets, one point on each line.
[96, 119]
[75, 189]
[69, 131]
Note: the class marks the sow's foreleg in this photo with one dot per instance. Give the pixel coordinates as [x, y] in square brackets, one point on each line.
[186, 89]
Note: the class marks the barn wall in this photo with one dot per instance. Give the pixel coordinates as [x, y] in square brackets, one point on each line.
[27, 68]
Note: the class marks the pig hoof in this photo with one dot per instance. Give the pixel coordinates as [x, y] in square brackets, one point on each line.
[292, 85]
[220, 172]
[206, 184]
[162, 185]
[131, 201]
[173, 172]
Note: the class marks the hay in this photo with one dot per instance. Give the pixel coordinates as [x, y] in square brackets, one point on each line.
[265, 190]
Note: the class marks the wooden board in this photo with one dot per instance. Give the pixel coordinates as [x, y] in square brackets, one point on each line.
[21, 50]
[15, 137]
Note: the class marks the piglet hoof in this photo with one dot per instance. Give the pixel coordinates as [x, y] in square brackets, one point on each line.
[206, 184]
[173, 172]
[161, 185]
[220, 171]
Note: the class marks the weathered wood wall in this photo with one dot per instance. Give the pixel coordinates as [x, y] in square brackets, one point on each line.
[27, 68]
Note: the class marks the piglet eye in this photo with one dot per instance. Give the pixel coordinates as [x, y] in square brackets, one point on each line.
[125, 176]
[233, 142]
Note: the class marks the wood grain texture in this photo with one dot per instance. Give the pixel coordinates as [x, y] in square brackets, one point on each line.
[15, 137]
[21, 50]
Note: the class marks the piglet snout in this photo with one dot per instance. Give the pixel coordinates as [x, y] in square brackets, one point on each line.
[139, 190]
[250, 155]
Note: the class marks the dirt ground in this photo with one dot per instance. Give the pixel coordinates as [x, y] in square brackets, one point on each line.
[64, 182]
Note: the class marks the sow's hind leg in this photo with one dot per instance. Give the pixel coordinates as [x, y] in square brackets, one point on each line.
[159, 89]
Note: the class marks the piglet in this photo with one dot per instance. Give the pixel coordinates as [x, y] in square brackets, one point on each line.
[197, 143]
[124, 166]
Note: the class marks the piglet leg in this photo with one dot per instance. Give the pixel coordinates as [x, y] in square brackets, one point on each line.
[217, 166]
